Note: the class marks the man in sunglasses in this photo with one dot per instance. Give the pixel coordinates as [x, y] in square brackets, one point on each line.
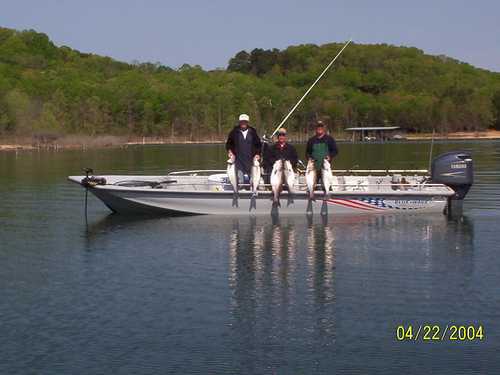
[281, 150]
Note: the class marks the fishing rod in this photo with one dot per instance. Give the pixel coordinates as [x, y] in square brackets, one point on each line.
[310, 88]
[431, 149]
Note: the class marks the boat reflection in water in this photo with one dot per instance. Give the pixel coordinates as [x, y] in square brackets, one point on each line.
[282, 293]
[303, 283]
[294, 293]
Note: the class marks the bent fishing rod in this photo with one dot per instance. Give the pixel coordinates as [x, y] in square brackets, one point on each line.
[310, 88]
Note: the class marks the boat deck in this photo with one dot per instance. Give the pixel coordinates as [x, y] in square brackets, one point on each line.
[218, 182]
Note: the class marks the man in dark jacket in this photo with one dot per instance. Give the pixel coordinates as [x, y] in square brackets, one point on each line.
[244, 144]
[281, 150]
[321, 146]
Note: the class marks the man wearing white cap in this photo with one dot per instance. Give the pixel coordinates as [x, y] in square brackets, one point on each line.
[244, 144]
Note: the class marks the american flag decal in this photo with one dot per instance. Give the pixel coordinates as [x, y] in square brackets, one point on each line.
[367, 204]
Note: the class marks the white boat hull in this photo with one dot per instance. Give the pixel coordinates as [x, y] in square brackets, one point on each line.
[209, 192]
[127, 200]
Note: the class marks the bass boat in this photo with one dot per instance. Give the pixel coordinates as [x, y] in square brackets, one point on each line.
[210, 192]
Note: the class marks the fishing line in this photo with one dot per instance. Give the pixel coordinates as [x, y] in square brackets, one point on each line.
[310, 88]
[431, 149]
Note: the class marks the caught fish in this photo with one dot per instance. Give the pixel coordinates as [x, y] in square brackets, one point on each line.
[290, 180]
[327, 176]
[277, 181]
[254, 183]
[256, 174]
[232, 174]
[311, 179]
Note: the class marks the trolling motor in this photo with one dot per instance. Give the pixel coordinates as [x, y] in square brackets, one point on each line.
[456, 170]
[88, 182]
[91, 181]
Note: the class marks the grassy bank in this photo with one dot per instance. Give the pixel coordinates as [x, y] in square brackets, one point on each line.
[84, 141]
[488, 134]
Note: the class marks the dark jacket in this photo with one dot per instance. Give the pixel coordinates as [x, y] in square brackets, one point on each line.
[244, 148]
[233, 140]
[277, 152]
[328, 140]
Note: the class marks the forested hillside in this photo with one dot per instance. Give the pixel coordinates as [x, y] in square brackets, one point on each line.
[45, 88]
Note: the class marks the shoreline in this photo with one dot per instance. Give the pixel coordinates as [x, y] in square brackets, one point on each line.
[87, 142]
[482, 135]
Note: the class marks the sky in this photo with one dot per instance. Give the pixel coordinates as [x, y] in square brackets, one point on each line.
[210, 32]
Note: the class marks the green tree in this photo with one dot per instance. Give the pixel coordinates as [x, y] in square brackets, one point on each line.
[240, 63]
[496, 109]
[20, 111]
[43, 86]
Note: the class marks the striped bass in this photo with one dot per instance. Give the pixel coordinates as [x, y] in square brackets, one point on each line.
[327, 176]
[277, 181]
[232, 174]
[254, 183]
[290, 180]
[311, 178]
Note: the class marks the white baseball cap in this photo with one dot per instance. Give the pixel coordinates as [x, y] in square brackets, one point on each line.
[244, 117]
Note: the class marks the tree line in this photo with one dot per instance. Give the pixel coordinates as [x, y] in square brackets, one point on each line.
[45, 88]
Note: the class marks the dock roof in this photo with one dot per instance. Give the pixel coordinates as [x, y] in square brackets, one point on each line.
[373, 128]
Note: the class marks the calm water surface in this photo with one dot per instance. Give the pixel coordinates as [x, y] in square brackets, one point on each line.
[218, 295]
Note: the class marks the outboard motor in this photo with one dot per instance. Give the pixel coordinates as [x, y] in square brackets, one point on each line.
[454, 169]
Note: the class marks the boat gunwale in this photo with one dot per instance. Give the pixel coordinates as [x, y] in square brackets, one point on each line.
[334, 171]
[172, 191]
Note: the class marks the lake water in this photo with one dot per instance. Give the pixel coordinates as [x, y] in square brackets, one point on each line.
[219, 295]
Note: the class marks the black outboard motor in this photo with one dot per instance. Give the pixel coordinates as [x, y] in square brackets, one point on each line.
[454, 169]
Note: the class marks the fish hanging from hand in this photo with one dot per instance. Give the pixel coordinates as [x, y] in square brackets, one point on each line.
[232, 174]
[254, 183]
